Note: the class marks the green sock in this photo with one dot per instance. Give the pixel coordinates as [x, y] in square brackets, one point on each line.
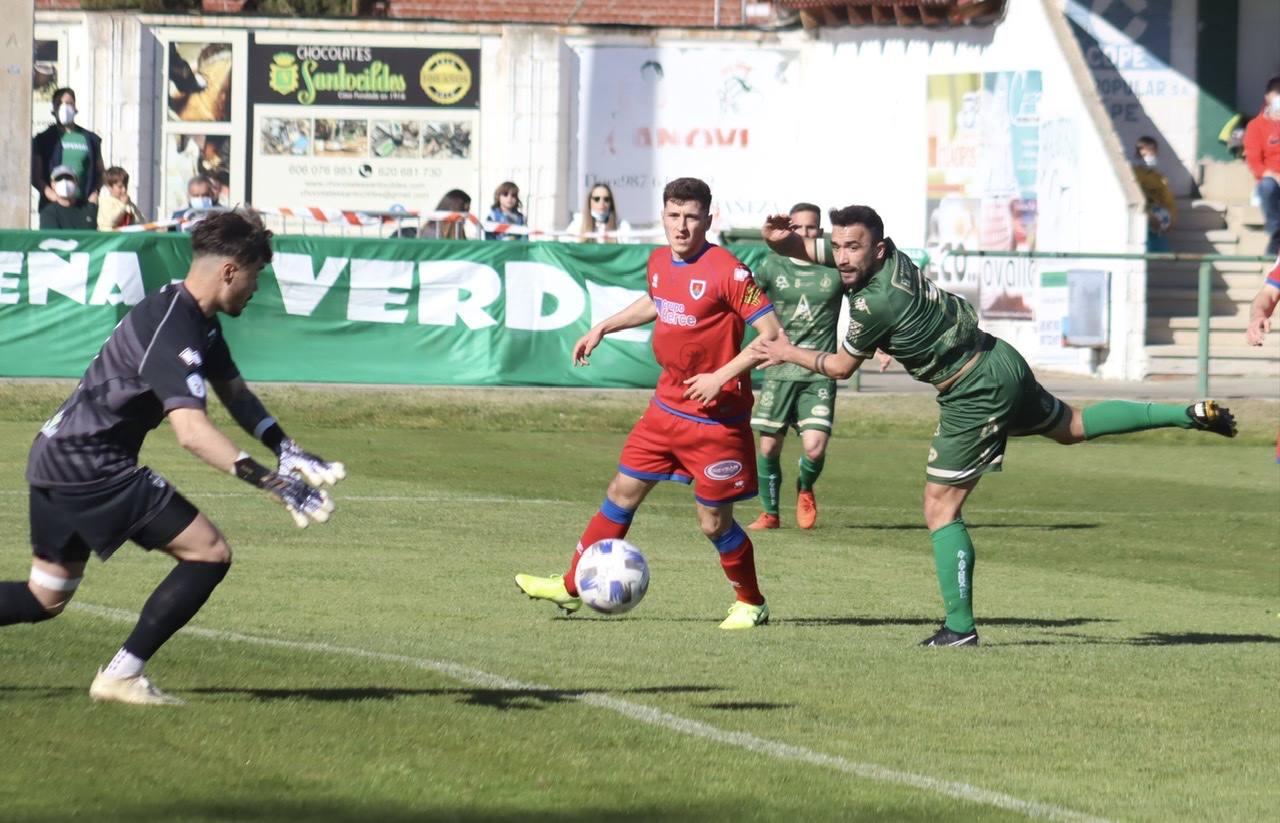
[770, 471]
[1123, 416]
[953, 556]
[809, 471]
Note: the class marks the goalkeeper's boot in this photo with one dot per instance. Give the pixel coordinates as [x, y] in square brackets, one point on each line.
[946, 637]
[549, 588]
[1212, 417]
[746, 616]
[138, 691]
[765, 521]
[806, 509]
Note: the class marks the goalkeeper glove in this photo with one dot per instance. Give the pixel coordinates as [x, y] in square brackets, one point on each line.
[301, 501]
[317, 471]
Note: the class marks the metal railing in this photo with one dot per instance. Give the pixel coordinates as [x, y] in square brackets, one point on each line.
[1204, 293]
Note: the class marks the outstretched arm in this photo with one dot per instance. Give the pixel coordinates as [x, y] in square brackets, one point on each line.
[637, 314]
[706, 387]
[781, 239]
[1260, 311]
[839, 365]
[248, 411]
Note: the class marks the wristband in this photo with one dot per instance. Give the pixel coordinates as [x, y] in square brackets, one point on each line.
[250, 470]
[271, 435]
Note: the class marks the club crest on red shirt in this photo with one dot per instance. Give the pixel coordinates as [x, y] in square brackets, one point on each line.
[697, 288]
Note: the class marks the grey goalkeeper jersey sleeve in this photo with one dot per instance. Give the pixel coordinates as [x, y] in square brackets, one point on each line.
[156, 360]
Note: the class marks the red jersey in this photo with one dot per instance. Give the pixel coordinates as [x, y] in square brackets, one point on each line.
[1273, 277]
[703, 306]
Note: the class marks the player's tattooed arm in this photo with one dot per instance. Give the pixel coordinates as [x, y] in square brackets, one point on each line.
[637, 314]
[781, 239]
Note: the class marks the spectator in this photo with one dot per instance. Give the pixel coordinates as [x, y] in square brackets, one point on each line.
[221, 181]
[1262, 153]
[1161, 208]
[506, 209]
[598, 221]
[115, 209]
[199, 202]
[454, 200]
[66, 144]
[67, 209]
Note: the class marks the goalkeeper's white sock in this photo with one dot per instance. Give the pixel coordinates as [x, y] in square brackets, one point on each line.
[124, 665]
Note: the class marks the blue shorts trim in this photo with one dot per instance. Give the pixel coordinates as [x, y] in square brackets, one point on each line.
[639, 475]
[706, 421]
[760, 313]
[716, 503]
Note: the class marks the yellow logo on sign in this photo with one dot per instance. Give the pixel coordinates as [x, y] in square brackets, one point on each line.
[284, 73]
[445, 77]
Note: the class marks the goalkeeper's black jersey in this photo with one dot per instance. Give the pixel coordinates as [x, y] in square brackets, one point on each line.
[156, 360]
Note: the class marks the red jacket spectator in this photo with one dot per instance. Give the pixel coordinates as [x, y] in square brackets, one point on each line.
[1262, 144]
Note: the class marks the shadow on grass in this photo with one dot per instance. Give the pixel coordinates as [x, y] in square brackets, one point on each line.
[501, 699]
[1148, 639]
[905, 527]
[1031, 622]
[344, 810]
[746, 705]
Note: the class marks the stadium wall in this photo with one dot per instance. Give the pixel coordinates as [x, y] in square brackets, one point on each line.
[853, 115]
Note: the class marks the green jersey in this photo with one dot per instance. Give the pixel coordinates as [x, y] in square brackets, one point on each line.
[75, 153]
[806, 299]
[931, 332]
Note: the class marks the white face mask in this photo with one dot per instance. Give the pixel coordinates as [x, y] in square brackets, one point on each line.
[66, 114]
[1151, 160]
[202, 202]
[601, 216]
[1274, 105]
[65, 188]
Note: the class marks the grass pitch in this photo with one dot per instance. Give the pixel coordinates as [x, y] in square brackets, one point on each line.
[384, 667]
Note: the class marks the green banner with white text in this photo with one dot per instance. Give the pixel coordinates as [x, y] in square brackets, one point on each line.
[345, 309]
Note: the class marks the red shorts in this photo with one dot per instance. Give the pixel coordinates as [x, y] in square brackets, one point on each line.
[718, 459]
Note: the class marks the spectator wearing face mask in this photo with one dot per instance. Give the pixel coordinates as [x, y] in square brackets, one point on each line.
[199, 202]
[598, 221]
[1162, 211]
[115, 209]
[67, 209]
[66, 144]
[1262, 153]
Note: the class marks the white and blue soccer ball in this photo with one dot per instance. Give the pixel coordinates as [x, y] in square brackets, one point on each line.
[612, 576]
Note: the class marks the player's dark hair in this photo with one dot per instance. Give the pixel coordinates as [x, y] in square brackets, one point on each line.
[1273, 85]
[199, 180]
[238, 235]
[799, 207]
[57, 94]
[859, 216]
[1148, 141]
[686, 189]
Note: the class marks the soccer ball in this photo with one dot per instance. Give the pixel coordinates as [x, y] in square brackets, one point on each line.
[612, 576]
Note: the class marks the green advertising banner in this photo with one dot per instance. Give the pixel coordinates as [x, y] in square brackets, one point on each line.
[344, 309]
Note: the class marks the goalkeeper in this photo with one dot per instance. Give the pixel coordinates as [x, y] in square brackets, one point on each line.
[89, 495]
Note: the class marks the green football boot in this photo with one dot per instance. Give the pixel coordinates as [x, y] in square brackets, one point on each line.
[549, 588]
[746, 616]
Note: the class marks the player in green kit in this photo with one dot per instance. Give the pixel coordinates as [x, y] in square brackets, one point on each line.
[986, 391]
[807, 299]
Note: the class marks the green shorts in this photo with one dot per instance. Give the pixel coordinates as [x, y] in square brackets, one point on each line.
[804, 406]
[997, 399]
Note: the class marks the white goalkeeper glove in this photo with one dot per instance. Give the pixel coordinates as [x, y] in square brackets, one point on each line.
[303, 502]
[294, 460]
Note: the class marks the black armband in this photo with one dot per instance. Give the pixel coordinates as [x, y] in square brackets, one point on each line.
[251, 471]
[820, 363]
[248, 411]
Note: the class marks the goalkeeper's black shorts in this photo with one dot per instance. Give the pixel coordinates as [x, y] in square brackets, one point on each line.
[66, 525]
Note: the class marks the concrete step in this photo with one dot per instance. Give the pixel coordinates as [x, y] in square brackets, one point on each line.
[1245, 361]
[1245, 217]
[1219, 339]
[1190, 277]
[1197, 214]
[1237, 319]
[1166, 311]
[1228, 182]
[1191, 294]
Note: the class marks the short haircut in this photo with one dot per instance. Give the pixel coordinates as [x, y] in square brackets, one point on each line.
[201, 180]
[687, 189]
[114, 176]
[859, 216]
[799, 207]
[1148, 141]
[1273, 85]
[57, 94]
[238, 235]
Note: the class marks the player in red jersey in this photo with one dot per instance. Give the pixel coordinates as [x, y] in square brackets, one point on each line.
[1260, 311]
[696, 429]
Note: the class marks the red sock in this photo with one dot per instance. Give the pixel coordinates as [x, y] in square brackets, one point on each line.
[740, 567]
[601, 527]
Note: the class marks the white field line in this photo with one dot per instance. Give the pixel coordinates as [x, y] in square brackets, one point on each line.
[649, 716]
[443, 499]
